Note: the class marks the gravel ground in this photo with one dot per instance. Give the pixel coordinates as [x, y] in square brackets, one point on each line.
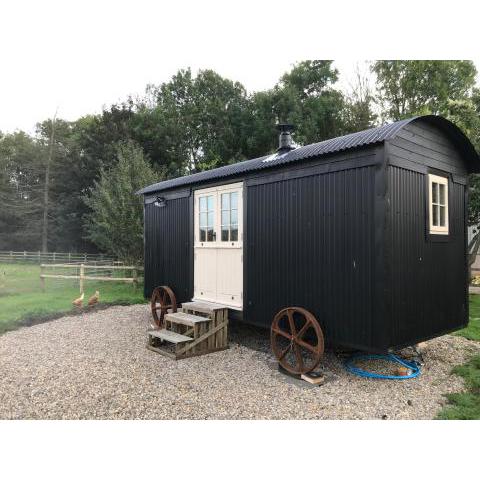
[95, 365]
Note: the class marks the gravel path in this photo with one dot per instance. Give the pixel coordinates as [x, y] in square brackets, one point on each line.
[96, 365]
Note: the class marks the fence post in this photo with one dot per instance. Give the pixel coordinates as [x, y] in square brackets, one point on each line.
[135, 278]
[42, 280]
[69, 257]
[82, 271]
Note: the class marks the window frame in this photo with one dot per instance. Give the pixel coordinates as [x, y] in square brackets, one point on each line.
[438, 230]
[217, 192]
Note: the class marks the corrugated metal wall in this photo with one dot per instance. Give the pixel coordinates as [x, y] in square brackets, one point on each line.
[427, 278]
[310, 243]
[168, 247]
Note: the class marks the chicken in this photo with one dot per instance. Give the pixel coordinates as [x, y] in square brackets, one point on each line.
[94, 299]
[79, 301]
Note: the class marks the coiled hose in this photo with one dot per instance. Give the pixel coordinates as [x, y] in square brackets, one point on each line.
[352, 368]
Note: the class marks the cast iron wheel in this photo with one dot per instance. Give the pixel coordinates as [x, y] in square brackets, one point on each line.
[297, 340]
[162, 300]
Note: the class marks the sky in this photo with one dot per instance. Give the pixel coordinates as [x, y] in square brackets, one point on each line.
[81, 56]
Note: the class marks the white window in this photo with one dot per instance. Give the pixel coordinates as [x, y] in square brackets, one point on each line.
[229, 219]
[207, 218]
[438, 204]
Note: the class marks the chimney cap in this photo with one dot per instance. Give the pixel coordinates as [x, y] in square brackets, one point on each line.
[285, 127]
[285, 142]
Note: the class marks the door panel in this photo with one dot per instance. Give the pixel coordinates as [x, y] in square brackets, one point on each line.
[218, 246]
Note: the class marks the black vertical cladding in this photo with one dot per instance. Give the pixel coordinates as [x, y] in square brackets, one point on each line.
[427, 277]
[168, 247]
[311, 243]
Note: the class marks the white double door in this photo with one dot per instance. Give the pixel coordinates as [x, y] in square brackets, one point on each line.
[218, 245]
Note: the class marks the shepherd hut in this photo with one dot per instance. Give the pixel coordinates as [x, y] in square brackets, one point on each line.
[365, 232]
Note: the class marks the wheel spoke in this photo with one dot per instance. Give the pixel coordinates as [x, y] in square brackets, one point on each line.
[306, 345]
[280, 357]
[303, 329]
[298, 356]
[281, 332]
[291, 322]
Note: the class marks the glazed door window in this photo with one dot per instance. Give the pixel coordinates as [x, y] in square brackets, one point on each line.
[206, 219]
[229, 219]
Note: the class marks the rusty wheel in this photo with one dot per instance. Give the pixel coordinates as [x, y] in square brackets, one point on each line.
[297, 340]
[162, 300]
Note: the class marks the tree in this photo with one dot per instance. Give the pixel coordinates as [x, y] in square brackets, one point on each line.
[115, 223]
[203, 118]
[358, 112]
[21, 161]
[415, 87]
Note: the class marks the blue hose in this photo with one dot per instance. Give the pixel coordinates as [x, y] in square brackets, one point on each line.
[413, 366]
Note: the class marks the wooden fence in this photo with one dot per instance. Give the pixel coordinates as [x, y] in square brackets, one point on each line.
[54, 257]
[82, 276]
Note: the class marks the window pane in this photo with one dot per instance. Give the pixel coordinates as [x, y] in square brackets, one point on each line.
[210, 234]
[203, 204]
[434, 192]
[226, 218]
[442, 194]
[210, 203]
[234, 218]
[203, 234]
[435, 215]
[442, 217]
[225, 234]
[225, 201]
[234, 200]
[234, 233]
[210, 219]
[203, 219]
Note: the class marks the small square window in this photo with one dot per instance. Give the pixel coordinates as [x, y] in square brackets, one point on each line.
[438, 204]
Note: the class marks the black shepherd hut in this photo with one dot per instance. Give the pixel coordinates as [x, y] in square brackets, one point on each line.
[367, 232]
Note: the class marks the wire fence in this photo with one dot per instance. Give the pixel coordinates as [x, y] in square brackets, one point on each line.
[38, 257]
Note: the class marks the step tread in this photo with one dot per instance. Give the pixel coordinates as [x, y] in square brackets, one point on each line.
[169, 336]
[185, 318]
[204, 307]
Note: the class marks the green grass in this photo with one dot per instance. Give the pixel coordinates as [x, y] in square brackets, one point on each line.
[22, 300]
[466, 405]
[472, 331]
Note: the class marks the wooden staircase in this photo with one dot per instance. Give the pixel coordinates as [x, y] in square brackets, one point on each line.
[198, 328]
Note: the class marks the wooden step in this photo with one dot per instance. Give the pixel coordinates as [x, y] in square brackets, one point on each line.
[169, 336]
[203, 307]
[185, 318]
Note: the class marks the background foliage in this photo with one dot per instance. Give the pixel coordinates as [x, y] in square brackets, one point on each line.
[196, 122]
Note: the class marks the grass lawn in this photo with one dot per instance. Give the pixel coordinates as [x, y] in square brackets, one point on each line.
[466, 405]
[22, 300]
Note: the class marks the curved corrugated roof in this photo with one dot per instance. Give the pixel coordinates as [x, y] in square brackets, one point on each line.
[339, 144]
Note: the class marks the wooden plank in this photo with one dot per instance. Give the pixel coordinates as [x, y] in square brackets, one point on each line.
[191, 345]
[162, 352]
[88, 277]
[189, 355]
[92, 267]
[203, 307]
[186, 318]
[169, 336]
[225, 329]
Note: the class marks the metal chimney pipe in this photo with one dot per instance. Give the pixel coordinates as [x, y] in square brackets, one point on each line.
[285, 141]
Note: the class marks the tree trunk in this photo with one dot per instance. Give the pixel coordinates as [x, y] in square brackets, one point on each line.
[47, 187]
